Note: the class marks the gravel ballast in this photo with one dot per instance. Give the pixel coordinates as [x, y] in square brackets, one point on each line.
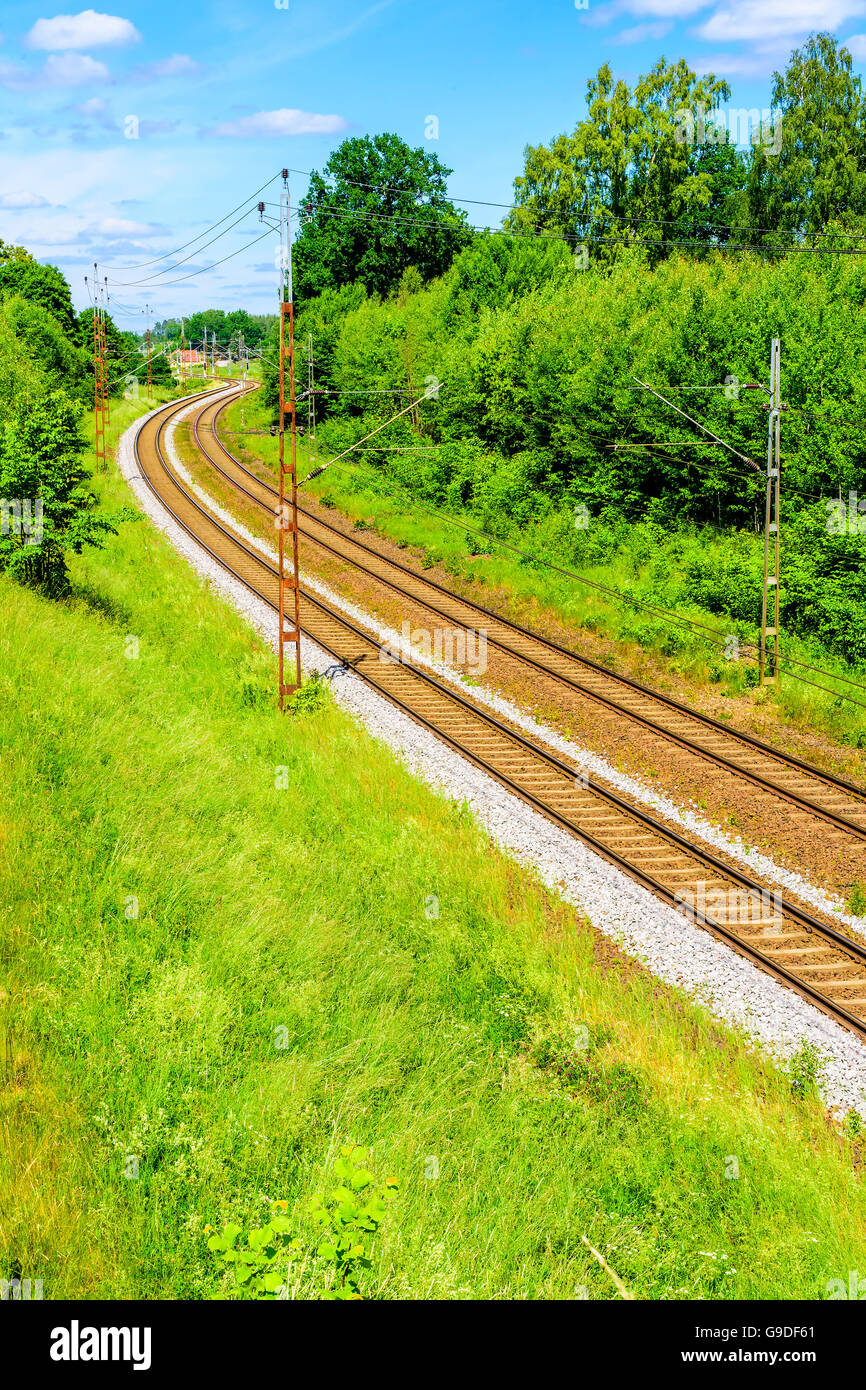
[674, 949]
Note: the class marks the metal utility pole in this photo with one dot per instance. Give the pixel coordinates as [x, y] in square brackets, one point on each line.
[769, 655]
[287, 515]
[106, 402]
[98, 407]
[311, 404]
[99, 390]
[149, 371]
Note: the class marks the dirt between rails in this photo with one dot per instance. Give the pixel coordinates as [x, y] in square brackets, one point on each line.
[830, 858]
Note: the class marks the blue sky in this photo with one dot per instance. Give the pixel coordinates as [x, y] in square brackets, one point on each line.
[222, 94]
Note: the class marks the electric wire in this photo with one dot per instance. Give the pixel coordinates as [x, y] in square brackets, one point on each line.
[601, 215]
[142, 265]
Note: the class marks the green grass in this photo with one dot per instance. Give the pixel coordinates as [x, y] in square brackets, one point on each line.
[298, 915]
[642, 567]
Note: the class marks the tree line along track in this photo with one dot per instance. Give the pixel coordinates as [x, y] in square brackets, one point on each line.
[832, 799]
[783, 939]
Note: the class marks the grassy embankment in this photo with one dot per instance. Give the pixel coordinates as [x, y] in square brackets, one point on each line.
[640, 563]
[171, 915]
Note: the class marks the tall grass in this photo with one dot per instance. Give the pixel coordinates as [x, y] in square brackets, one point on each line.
[234, 940]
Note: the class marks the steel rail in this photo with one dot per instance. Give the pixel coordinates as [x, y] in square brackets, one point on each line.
[765, 783]
[854, 952]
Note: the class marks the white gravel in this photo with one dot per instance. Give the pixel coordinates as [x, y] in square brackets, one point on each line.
[676, 950]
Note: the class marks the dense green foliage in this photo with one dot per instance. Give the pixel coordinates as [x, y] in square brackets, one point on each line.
[160, 371]
[647, 248]
[42, 476]
[226, 326]
[377, 208]
[44, 285]
[820, 173]
[539, 412]
[47, 509]
[42, 342]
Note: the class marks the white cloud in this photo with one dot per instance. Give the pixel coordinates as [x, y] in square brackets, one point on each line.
[23, 200]
[72, 70]
[768, 19]
[178, 65]
[641, 33]
[758, 62]
[85, 30]
[59, 70]
[664, 9]
[94, 106]
[856, 46]
[599, 16]
[283, 122]
[122, 226]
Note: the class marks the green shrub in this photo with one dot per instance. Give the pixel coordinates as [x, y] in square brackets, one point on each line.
[333, 1253]
[313, 695]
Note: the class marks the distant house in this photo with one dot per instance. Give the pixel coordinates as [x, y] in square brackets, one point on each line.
[189, 361]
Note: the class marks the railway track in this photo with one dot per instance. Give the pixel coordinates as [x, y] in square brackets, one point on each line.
[780, 937]
[821, 794]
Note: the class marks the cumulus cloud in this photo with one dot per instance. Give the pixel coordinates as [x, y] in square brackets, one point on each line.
[856, 46]
[283, 122]
[85, 30]
[72, 70]
[770, 19]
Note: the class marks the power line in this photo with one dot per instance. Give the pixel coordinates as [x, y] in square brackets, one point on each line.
[203, 270]
[700, 426]
[166, 254]
[692, 625]
[582, 238]
[601, 215]
[169, 270]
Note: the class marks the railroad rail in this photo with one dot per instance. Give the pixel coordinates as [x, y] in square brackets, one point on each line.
[783, 939]
[810, 789]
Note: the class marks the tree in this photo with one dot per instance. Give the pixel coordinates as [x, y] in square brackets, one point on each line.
[627, 169]
[210, 321]
[47, 508]
[819, 173]
[378, 207]
[41, 340]
[41, 284]
[253, 326]
[496, 269]
[160, 371]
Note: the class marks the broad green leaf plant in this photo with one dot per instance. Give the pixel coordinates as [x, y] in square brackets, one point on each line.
[259, 1265]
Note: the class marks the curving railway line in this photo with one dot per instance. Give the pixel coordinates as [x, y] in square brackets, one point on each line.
[819, 793]
[783, 939]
